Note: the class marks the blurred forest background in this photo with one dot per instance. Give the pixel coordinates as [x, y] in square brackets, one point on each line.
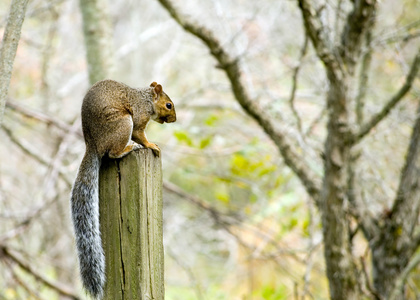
[291, 172]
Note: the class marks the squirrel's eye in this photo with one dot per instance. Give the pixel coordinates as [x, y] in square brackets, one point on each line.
[168, 105]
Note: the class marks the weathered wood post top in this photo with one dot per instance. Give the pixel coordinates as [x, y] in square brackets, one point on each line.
[130, 192]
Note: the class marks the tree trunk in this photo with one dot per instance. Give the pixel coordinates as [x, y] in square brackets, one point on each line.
[130, 192]
[341, 270]
[396, 243]
[98, 37]
[8, 48]
[387, 266]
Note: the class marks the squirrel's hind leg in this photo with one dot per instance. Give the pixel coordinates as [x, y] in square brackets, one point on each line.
[119, 137]
[130, 147]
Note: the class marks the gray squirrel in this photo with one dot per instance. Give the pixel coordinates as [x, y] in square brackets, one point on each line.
[113, 116]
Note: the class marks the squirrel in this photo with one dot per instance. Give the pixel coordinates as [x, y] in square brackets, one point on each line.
[113, 116]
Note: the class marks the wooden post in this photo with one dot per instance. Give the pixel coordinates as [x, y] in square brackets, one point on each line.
[130, 192]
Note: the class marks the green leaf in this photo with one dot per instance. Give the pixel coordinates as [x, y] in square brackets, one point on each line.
[223, 197]
[305, 227]
[269, 292]
[239, 164]
[267, 170]
[293, 223]
[183, 137]
[210, 121]
[205, 142]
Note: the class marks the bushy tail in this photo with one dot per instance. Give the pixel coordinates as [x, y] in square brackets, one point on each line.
[85, 216]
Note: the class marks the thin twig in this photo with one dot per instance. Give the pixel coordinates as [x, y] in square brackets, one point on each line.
[215, 214]
[399, 283]
[357, 208]
[415, 241]
[311, 250]
[191, 276]
[359, 20]
[27, 150]
[25, 266]
[56, 163]
[226, 222]
[364, 78]
[391, 103]
[413, 287]
[21, 283]
[369, 286]
[406, 207]
[395, 36]
[17, 230]
[337, 20]
[33, 114]
[9, 46]
[295, 84]
[316, 121]
[22, 226]
[315, 30]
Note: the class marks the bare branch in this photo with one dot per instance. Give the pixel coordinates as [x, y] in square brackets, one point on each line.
[314, 29]
[55, 286]
[188, 270]
[27, 150]
[358, 209]
[364, 78]
[9, 46]
[31, 153]
[311, 250]
[338, 18]
[31, 113]
[391, 103]
[416, 241]
[228, 222]
[55, 165]
[368, 283]
[230, 66]
[295, 83]
[23, 225]
[407, 203]
[215, 214]
[21, 283]
[20, 228]
[316, 121]
[359, 21]
[399, 283]
[401, 34]
[403, 38]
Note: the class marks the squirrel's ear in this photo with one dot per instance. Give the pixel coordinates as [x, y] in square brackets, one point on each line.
[158, 89]
[153, 84]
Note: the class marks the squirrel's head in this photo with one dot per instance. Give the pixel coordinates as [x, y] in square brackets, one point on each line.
[164, 107]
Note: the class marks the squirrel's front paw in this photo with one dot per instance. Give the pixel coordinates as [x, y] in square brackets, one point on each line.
[155, 149]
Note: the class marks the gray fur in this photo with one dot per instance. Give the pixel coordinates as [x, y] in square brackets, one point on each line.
[85, 216]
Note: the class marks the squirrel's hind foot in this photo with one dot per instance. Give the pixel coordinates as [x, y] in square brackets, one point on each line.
[130, 147]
